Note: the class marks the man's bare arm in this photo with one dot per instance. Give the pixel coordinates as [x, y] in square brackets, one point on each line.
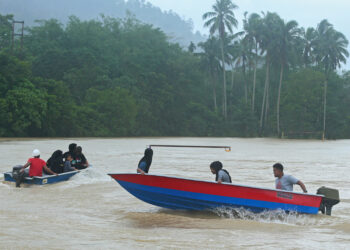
[49, 170]
[25, 166]
[301, 184]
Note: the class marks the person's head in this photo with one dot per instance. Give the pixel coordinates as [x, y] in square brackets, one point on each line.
[69, 157]
[278, 170]
[215, 167]
[78, 150]
[36, 153]
[57, 154]
[72, 147]
[148, 153]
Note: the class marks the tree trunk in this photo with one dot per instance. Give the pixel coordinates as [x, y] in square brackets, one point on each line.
[254, 84]
[265, 93]
[325, 108]
[214, 90]
[267, 106]
[214, 96]
[224, 81]
[245, 82]
[279, 99]
[232, 77]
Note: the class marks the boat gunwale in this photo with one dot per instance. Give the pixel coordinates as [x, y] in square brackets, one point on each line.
[44, 177]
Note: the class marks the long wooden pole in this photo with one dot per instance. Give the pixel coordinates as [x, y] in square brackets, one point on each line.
[227, 148]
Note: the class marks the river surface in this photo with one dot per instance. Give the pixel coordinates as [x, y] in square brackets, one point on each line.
[91, 211]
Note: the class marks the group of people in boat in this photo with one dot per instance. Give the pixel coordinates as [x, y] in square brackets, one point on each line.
[58, 163]
[282, 182]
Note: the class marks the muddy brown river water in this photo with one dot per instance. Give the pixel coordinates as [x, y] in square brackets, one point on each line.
[91, 211]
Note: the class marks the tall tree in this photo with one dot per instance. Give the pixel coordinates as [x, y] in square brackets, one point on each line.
[331, 51]
[241, 54]
[252, 28]
[287, 39]
[5, 30]
[309, 39]
[221, 18]
[269, 34]
[210, 62]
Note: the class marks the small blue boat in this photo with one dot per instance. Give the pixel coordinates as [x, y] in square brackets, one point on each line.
[42, 180]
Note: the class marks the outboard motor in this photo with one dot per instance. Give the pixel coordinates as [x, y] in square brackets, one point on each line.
[17, 175]
[331, 198]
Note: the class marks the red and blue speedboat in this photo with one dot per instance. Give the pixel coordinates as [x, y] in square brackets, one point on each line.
[187, 194]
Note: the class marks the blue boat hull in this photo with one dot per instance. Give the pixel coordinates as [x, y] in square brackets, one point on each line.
[43, 180]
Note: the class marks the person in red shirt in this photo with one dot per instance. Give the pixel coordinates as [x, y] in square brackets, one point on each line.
[37, 165]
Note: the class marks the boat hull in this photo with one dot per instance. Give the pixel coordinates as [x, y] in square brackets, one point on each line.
[178, 193]
[43, 180]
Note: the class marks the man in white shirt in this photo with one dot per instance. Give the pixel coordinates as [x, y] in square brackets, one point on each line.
[285, 182]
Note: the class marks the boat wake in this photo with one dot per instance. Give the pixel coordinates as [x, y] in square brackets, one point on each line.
[87, 176]
[275, 216]
[4, 185]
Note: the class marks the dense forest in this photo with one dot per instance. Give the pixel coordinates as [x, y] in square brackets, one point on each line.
[121, 77]
[177, 29]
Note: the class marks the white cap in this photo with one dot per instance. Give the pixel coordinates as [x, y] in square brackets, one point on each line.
[36, 153]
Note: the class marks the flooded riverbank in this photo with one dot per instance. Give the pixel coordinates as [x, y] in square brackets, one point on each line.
[93, 211]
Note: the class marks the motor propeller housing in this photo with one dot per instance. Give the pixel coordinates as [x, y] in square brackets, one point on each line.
[331, 198]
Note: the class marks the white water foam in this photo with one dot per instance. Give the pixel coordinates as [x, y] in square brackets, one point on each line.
[4, 185]
[275, 216]
[90, 175]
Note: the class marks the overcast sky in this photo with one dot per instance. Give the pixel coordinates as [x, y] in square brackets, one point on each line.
[308, 13]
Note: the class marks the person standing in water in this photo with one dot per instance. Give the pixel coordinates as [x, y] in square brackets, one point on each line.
[222, 175]
[145, 162]
[285, 182]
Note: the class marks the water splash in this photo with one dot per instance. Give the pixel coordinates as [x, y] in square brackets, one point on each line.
[275, 216]
[90, 175]
[4, 185]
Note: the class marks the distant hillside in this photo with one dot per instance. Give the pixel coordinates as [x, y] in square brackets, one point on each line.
[172, 24]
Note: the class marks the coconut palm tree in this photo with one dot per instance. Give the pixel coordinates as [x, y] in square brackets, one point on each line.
[270, 29]
[330, 51]
[241, 54]
[219, 20]
[210, 62]
[308, 38]
[287, 43]
[252, 28]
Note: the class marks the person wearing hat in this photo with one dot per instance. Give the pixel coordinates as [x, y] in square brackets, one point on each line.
[37, 165]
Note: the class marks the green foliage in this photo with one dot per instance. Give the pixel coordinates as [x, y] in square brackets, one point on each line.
[5, 31]
[301, 102]
[112, 77]
[26, 108]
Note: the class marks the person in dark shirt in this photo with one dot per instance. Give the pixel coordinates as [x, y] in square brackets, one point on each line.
[79, 160]
[145, 162]
[55, 162]
[71, 151]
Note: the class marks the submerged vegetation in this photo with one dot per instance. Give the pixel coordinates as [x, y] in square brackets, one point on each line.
[121, 77]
